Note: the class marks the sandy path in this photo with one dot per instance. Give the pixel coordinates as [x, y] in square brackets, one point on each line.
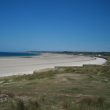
[15, 65]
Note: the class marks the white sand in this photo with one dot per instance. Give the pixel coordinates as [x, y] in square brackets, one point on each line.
[18, 66]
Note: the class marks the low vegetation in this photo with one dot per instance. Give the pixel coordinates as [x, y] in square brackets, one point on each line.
[61, 88]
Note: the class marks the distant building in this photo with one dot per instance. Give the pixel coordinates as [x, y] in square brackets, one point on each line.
[99, 55]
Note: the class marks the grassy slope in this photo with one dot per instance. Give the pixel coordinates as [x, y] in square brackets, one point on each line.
[57, 89]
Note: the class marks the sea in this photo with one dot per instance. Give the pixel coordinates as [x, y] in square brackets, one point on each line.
[19, 54]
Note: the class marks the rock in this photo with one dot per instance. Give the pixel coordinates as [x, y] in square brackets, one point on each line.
[3, 98]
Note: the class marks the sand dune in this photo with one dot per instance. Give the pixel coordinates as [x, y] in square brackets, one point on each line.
[17, 65]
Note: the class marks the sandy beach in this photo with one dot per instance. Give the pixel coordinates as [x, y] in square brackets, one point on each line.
[24, 65]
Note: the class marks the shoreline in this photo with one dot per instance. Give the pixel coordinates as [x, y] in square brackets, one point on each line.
[20, 65]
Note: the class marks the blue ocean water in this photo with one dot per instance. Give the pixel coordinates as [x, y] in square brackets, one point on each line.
[19, 54]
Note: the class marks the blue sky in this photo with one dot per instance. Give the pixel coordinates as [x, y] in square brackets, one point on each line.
[72, 25]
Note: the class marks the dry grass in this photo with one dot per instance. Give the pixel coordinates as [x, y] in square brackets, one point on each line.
[59, 89]
[90, 102]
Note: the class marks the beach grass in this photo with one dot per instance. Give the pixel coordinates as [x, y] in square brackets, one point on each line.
[61, 88]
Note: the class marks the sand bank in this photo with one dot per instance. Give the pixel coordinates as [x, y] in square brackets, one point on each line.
[17, 65]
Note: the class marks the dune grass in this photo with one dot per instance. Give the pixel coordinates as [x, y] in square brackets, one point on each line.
[62, 88]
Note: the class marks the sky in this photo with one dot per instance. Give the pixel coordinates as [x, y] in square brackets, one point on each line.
[55, 25]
